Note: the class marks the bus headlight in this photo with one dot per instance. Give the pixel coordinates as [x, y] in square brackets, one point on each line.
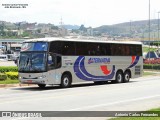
[41, 77]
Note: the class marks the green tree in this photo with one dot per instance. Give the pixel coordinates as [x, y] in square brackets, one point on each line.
[54, 27]
[39, 30]
[25, 34]
[82, 28]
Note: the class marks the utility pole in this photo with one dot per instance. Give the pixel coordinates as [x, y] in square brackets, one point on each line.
[61, 22]
[149, 24]
[158, 32]
[61, 32]
[130, 29]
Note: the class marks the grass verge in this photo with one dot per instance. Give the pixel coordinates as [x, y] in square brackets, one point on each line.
[8, 81]
[146, 73]
[146, 49]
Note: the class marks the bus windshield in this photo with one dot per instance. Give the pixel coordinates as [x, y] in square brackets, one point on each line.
[32, 62]
[34, 46]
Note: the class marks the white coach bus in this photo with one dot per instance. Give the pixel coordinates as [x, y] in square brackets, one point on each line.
[59, 61]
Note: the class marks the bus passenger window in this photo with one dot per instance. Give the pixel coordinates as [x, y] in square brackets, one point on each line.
[59, 63]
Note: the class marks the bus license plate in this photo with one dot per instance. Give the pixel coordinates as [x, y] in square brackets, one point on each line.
[29, 81]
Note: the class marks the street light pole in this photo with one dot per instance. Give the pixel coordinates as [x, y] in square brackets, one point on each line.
[130, 28]
[149, 24]
[158, 32]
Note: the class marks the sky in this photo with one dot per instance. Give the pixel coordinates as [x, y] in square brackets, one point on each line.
[92, 13]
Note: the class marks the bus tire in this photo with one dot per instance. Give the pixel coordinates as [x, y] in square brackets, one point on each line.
[119, 77]
[42, 85]
[126, 76]
[66, 81]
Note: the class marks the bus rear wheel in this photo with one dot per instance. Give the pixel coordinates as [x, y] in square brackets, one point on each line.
[42, 85]
[119, 77]
[66, 81]
[126, 76]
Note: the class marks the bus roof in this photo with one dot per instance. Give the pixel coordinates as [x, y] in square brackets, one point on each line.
[80, 40]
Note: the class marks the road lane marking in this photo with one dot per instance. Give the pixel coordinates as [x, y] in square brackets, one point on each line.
[66, 90]
[112, 103]
[59, 93]
[33, 96]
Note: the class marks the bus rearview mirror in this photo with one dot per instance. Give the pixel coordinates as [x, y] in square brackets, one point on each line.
[50, 58]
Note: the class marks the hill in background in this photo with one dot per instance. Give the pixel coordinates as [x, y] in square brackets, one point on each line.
[70, 27]
[130, 29]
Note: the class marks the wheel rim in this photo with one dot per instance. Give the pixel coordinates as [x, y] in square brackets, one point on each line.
[119, 78]
[66, 81]
[127, 77]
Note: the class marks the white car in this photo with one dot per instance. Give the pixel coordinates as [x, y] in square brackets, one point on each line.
[3, 58]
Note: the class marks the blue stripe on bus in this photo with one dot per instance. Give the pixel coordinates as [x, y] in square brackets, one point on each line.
[81, 72]
[135, 62]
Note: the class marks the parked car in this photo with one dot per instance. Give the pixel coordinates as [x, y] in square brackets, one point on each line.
[10, 57]
[3, 58]
[16, 60]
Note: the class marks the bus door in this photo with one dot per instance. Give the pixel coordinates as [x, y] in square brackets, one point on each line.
[58, 70]
[54, 63]
[51, 68]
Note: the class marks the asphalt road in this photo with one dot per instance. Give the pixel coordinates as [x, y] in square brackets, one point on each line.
[7, 63]
[139, 94]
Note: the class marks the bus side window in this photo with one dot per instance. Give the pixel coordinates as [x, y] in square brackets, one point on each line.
[127, 51]
[59, 63]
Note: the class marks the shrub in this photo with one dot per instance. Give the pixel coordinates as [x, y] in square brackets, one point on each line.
[12, 75]
[3, 76]
[4, 69]
[155, 43]
[151, 66]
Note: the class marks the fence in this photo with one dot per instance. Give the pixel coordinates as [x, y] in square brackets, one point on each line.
[151, 66]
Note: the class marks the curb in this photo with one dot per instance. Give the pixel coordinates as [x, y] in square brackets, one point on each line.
[14, 85]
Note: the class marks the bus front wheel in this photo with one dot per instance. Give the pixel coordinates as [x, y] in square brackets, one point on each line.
[119, 77]
[66, 81]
